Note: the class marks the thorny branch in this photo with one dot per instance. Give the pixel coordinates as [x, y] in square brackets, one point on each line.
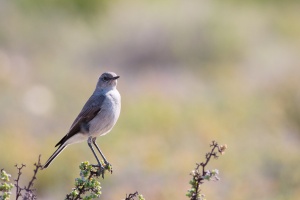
[18, 188]
[131, 196]
[198, 177]
[29, 194]
[35, 171]
[210, 154]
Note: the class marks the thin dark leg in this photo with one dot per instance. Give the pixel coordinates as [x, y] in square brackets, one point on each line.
[90, 145]
[94, 142]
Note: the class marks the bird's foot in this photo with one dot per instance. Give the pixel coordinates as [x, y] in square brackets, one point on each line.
[104, 166]
[100, 170]
[108, 167]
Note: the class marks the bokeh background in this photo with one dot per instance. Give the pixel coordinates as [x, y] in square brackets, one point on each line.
[191, 72]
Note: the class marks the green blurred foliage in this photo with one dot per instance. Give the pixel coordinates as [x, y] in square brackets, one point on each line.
[265, 2]
[191, 72]
[72, 7]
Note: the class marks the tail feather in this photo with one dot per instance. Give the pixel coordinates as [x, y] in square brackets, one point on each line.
[56, 153]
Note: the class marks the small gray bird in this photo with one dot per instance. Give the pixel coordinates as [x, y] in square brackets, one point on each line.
[97, 117]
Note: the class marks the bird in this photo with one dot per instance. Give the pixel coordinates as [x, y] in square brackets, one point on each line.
[97, 117]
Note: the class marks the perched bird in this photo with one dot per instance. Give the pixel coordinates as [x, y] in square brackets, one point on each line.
[97, 117]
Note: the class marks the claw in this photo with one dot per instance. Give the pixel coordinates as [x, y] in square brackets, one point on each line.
[108, 167]
[100, 170]
[102, 167]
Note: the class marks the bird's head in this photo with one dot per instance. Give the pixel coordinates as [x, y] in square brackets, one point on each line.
[107, 80]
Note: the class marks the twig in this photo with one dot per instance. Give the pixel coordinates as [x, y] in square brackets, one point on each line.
[29, 194]
[35, 171]
[131, 196]
[209, 155]
[18, 188]
[198, 178]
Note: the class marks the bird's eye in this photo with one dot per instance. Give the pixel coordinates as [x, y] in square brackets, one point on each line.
[105, 78]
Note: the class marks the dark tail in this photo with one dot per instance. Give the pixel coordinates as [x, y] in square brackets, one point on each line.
[56, 153]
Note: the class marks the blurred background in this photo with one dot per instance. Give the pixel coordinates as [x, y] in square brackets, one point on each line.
[191, 72]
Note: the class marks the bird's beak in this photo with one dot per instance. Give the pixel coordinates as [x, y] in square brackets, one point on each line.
[114, 78]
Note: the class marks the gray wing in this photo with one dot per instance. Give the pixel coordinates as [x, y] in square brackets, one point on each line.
[88, 112]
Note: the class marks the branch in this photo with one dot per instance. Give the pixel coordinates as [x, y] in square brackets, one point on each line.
[199, 177]
[132, 196]
[35, 171]
[29, 194]
[18, 188]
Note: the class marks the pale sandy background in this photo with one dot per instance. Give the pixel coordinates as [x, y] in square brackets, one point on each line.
[191, 72]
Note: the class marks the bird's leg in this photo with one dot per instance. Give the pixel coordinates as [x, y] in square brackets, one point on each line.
[94, 142]
[108, 166]
[101, 168]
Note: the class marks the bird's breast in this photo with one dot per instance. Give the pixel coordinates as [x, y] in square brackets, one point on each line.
[107, 117]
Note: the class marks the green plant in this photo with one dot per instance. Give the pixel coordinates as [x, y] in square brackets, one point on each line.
[87, 184]
[5, 186]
